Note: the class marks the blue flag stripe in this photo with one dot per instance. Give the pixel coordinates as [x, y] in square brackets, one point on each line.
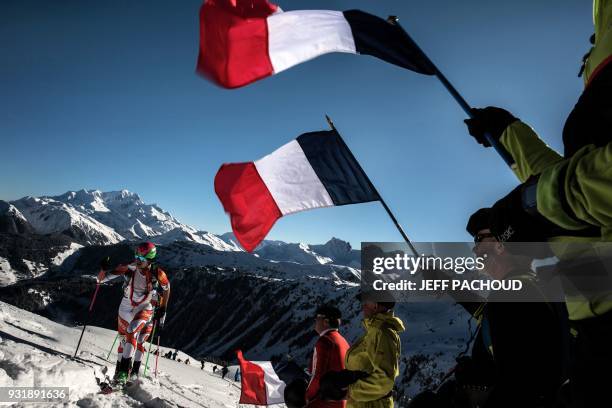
[336, 168]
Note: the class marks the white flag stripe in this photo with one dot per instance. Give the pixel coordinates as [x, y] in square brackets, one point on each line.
[298, 36]
[275, 387]
[291, 180]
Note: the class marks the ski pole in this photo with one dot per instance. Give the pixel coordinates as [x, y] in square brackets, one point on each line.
[455, 94]
[150, 345]
[93, 299]
[157, 356]
[112, 347]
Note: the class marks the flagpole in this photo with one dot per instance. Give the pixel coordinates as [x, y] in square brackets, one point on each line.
[382, 201]
[394, 20]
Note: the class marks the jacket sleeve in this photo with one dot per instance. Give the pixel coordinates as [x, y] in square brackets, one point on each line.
[575, 192]
[164, 283]
[530, 153]
[383, 350]
[320, 366]
[119, 270]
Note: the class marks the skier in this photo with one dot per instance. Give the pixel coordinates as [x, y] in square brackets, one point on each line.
[237, 374]
[214, 369]
[147, 287]
[202, 362]
[224, 371]
[174, 354]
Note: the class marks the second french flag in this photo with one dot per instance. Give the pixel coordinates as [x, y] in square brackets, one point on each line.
[313, 171]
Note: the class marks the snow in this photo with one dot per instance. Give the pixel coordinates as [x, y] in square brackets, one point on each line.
[96, 217]
[62, 256]
[16, 213]
[48, 216]
[35, 268]
[35, 351]
[110, 217]
[41, 294]
[7, 274]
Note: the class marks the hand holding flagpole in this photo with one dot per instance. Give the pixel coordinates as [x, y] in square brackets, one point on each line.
[455, 94]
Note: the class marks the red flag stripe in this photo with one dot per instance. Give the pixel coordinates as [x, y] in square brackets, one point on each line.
[248, 202]
[252, 381]
[234, 41]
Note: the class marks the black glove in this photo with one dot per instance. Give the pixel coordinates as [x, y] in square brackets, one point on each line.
[489, 120]
[295, 393]
[160, 316]
[105, 264]
[515, 218]
[334, 384]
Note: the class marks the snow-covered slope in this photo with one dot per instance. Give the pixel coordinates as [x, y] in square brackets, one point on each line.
[27, 256]
[35, 351]
[12, 220]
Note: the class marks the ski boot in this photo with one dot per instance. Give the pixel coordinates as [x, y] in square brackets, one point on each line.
[117, 370]
[134, 374]
[122, 378]
[123, 374]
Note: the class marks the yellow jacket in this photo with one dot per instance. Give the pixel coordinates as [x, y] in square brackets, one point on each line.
[588, 177]
[574, 193]
[377, 353]
[602, 50]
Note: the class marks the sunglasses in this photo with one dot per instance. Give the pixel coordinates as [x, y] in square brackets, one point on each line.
[481, 237]
[140, 258]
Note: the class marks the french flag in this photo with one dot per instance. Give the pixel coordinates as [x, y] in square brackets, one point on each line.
[313, 171]
[260, 383]
[242, 41]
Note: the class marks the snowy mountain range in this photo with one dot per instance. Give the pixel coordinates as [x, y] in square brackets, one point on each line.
[92, 217]
[102, 218]
[223, 298]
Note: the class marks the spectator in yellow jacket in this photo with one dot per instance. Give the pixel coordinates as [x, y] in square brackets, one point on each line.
[376, 353]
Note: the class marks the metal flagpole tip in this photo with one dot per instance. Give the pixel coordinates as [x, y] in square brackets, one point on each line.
[330, 122]
[392, 20]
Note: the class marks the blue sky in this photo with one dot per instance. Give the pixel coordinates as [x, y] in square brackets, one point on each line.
[103, 95]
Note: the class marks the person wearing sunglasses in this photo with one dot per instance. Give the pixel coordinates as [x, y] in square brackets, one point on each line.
[144, 302]
[518, 351]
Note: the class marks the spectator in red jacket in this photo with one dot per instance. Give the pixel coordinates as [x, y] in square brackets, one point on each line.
[328, 355]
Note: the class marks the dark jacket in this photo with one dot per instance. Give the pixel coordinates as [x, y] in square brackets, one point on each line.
[518, 351]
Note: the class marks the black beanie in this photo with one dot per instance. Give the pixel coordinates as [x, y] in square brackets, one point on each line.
[329, 311]
[479, 221]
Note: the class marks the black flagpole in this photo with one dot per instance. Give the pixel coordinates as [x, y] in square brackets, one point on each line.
[382, 201]
[455, 94]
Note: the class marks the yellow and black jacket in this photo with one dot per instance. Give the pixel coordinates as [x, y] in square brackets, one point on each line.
[377, 353]
[575, 191]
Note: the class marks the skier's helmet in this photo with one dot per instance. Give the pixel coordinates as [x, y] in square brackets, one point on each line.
[146, 251]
